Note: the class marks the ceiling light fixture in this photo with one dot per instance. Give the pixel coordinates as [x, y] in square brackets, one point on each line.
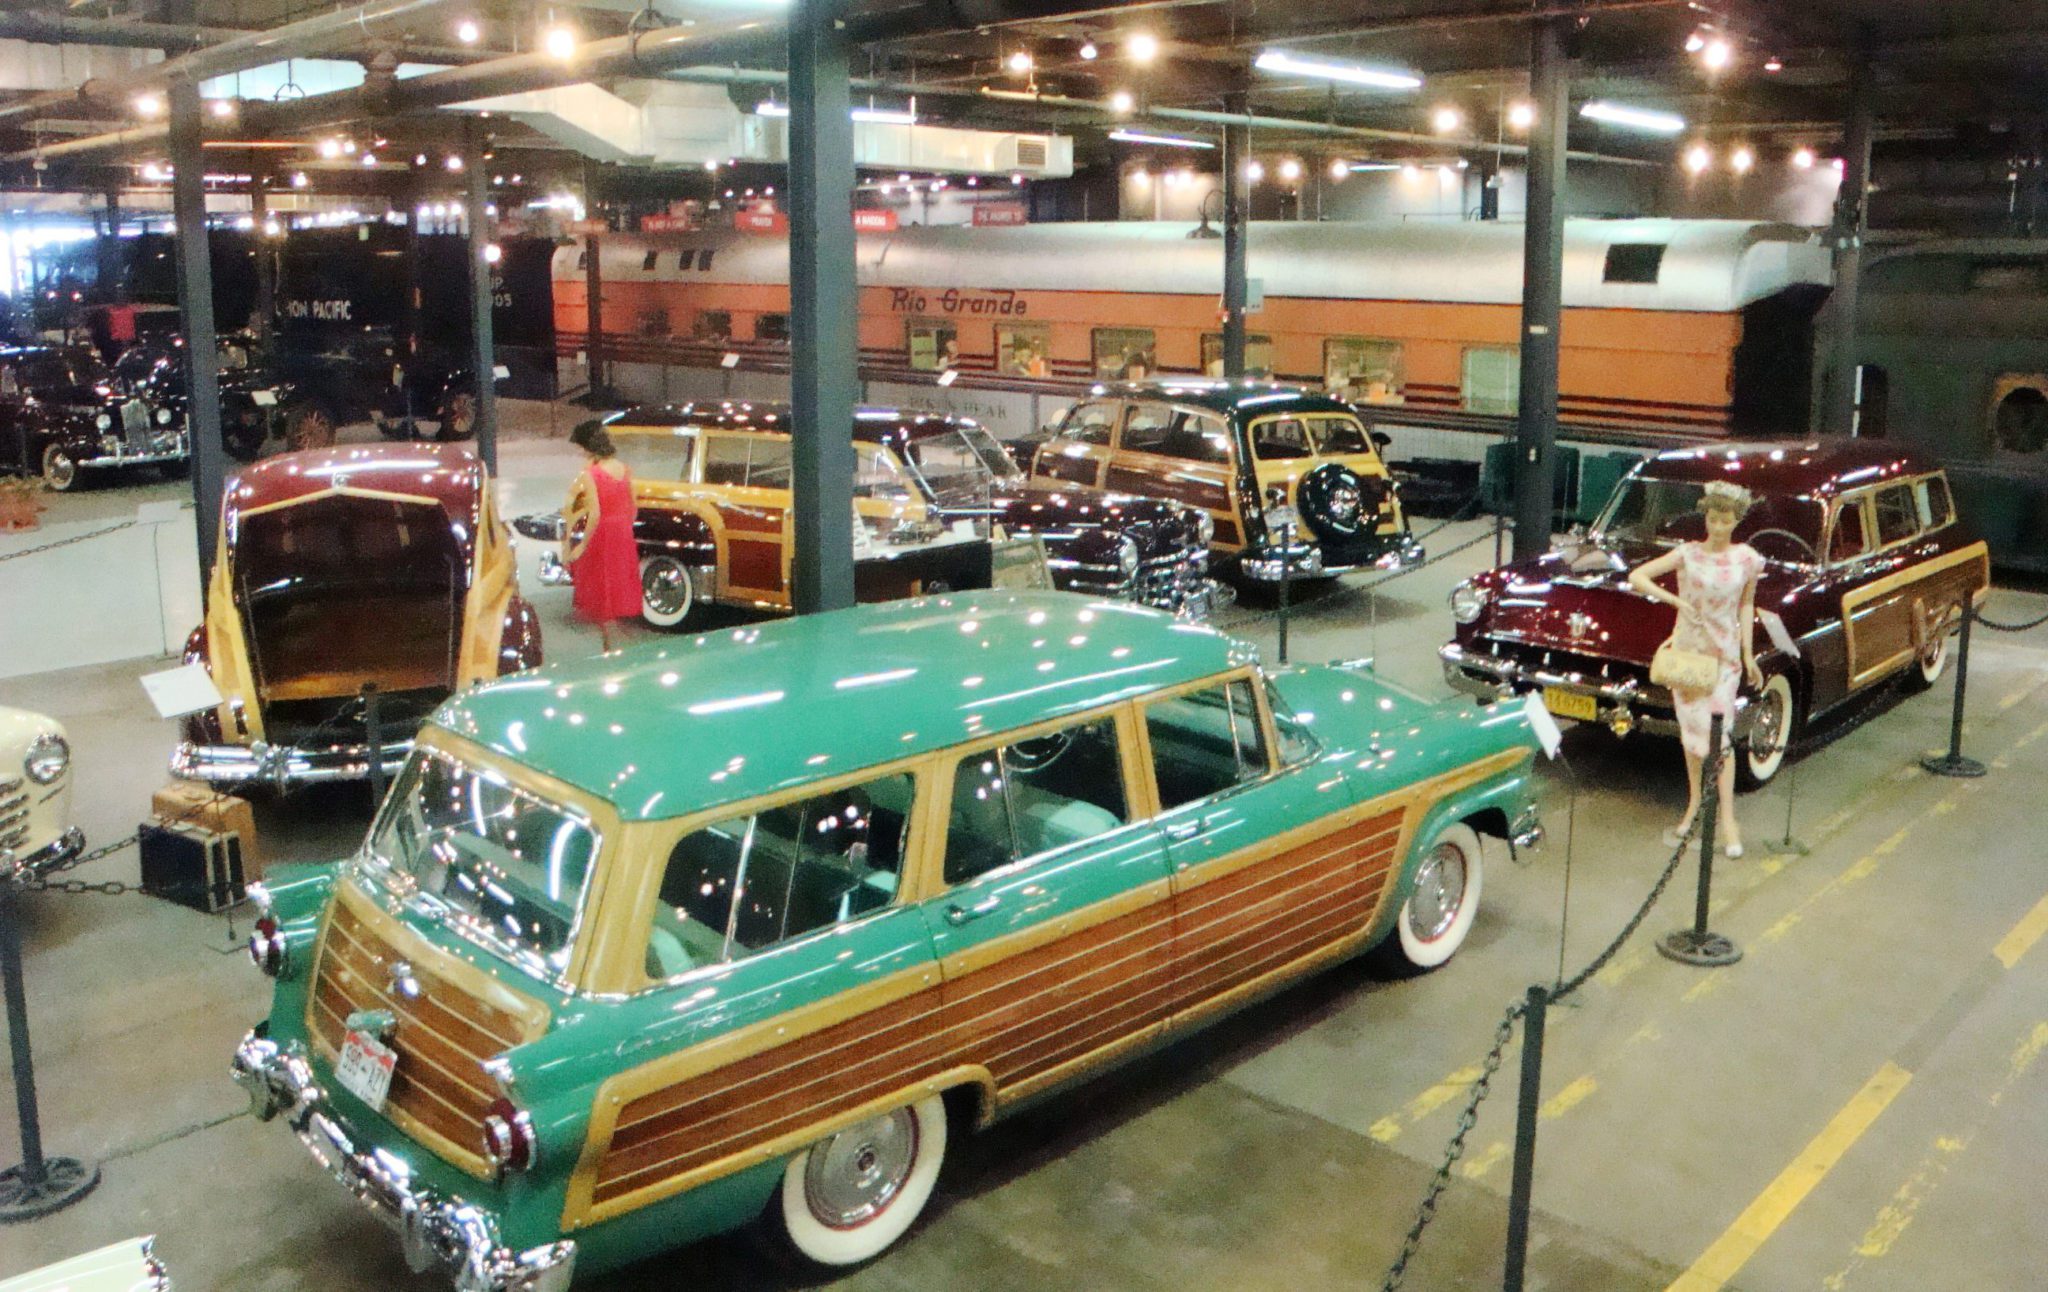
[1290, 170]
[221, 108]
[1446, 119]
[1019, 63]
[1698, 158]
[468, 32]
[1741, 160]
[1774, 64]
[560, 42]
[1620, 114]
[1339, 169]
[1254, 172]
[454, 162]
[1089, 52]
[1718, 54]
[1802, 159]
[148, 105]
[1284, 63]
[1123, 102]
[1695, 42]
[1521, 116]
[1164, 141]
[298, 179]
[1142, 47]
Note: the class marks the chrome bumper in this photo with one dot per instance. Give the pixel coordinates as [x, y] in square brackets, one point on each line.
[1621, 705]
[283, 766]
[1305, 561]
[439, 1234]
[119, 453]
[55, 855]
[554, 572]
[1180, 585]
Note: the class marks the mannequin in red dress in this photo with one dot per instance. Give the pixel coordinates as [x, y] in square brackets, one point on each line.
[603, 557]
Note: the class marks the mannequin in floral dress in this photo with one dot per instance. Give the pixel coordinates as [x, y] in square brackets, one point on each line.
[1716, 604]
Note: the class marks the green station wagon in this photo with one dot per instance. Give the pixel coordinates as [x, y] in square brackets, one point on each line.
[644, 947]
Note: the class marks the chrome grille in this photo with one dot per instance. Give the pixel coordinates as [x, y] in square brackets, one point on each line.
[13, 812]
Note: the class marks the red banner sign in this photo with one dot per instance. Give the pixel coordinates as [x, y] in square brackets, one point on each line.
[999, 213]
[760, 221]
[666, 224]
[875, 221]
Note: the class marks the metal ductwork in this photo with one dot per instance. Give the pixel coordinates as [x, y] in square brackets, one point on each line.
[62, 29]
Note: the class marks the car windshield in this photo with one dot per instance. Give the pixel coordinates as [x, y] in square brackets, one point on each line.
[66, 368]
[503, 866]
[961, 464]
[1781, 527]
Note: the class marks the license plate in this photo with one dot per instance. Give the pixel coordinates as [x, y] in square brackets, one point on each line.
[1571, 704]
[365, 1068]
[263, 398]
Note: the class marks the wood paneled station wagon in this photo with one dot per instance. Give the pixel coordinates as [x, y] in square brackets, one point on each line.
[1865, 562]
[1259, 460]
[712, 481]
[645, 947]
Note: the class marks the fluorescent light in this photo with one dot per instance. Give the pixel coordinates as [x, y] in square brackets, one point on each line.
[885, 116]
[1361, 167]
[1168, 141]
[1620, 114]
[1279, 60]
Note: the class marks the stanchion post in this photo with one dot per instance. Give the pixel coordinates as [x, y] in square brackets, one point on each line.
[1953, 763]
[1286, 577]
[1698, 945]
[1526, 1106]
[39, 1185]
[373, 741]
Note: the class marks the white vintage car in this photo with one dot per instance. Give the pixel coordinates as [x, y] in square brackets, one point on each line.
[126, 1266]
[36, 834]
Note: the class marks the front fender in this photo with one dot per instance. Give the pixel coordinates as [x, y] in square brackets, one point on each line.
[1510, 793]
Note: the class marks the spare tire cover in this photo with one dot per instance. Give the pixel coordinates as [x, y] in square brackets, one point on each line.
[1333, 501]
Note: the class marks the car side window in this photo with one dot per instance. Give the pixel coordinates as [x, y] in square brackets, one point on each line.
[1198, 437]
[1898, 517]
[1032, 797]
[725, 460]
[748, 882]
[1298, 744]
[1931, 496]
[875, 474]
[1281, 437]
[1205, 742]
[1849, 540]
[1091, 423]
[1147, 428]
[657, 456]
[768, 463]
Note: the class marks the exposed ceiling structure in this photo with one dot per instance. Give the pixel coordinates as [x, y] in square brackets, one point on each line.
[1959, 84]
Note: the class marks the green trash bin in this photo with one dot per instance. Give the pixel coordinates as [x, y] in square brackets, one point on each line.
[1497, 479]
[1599, 473]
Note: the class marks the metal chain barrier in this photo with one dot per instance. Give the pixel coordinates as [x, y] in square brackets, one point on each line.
[1483, 1084]
[66, 542]
[2012, 628]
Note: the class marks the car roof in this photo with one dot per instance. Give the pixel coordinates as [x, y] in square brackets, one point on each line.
[870, 424]
[675, 728]
[1249, 397]
[1819, 467]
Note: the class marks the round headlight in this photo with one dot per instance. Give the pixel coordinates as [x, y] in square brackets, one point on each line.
[48, 756]
[1127, 555]
[103, 422]
[1468, 602]
[163, 417]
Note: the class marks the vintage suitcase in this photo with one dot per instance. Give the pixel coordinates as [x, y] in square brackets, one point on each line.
[191, 865]
[182, 802]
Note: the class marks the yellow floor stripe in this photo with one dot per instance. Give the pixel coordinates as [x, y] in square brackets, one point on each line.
[2023, 936]
[1389, 1128]
[1733, 1249]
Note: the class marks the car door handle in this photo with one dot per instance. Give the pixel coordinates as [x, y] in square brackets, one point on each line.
[1182, 831]
[956, 915]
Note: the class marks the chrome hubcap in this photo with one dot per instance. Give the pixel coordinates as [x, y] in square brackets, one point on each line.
[1769, 735]
[665, 587]
[853, 1176]
[1439, 892]
[58, 468]
[461, 412]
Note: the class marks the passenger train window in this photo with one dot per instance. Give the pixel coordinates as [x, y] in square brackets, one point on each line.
[1492, 379]
[1023, 350]
[712, 325]
[1125, 353]
[1633, 262]
[1258, 355]
[933, 345]
[1360, 368]
[771, 327]
[1898, 518]
[1090, 423]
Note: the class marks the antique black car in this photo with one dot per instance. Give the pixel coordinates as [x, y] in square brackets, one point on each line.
[63, 417]
[256, 405]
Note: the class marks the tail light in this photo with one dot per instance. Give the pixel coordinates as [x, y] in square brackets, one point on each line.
[508, 1137]
[266, 947]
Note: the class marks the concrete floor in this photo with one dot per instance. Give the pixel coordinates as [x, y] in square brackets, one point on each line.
[1858, 1104]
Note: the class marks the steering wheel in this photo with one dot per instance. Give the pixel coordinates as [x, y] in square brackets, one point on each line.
[1804, 546]
[1037, 754]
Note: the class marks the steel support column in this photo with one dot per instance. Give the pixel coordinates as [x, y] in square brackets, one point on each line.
[266, 259]
[1542, 292]
[483, 343]
[823, 322]
[195, 300]
[1236, 155]
[1838, 415]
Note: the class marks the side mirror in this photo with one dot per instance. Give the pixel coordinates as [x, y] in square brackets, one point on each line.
[1380, 440]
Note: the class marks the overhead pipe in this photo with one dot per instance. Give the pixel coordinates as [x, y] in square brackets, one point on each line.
[125, 33]
[253, 49]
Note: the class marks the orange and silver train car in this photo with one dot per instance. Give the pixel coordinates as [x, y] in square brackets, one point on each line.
[1672, 330]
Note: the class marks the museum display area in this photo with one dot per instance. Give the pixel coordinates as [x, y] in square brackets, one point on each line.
[1022, 646]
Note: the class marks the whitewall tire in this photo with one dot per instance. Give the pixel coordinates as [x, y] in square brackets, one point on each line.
[60, 469]
[847, 1198]
[1775, 727]
[1932, 659]
[668, 595]
[1442, 902]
